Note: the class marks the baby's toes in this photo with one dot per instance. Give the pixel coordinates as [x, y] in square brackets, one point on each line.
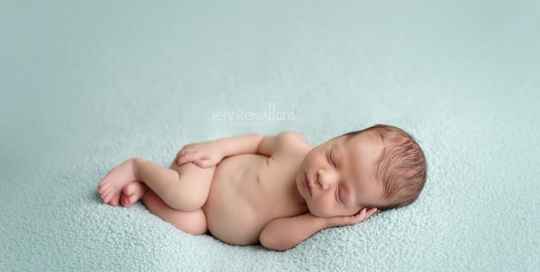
[123, 200]
[106, 194]
[130, 189]
[104, 183]
[112, 197]
[101, 188]
[105, 188]
[128, 201]
[114, 200]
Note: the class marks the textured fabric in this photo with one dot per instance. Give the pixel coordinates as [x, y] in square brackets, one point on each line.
[87, 85]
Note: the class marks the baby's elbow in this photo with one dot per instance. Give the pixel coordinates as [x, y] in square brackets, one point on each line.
[266, 240]
[270, 242]
[273, 246]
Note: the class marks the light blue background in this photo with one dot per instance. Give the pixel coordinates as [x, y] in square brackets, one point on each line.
[85, 85]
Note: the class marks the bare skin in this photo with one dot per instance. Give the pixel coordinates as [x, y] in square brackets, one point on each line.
[132, 193]
[277, 190]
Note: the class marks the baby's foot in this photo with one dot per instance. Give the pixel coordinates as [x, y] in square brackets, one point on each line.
[112, 184]
[132, 193]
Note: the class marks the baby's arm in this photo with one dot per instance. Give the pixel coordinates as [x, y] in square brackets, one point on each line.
[208, 154]
[287, 232]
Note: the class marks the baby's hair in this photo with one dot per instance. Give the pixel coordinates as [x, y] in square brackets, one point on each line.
[401, 168]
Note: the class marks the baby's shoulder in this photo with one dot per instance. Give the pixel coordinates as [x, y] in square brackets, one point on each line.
[291, 137]
[291, 143]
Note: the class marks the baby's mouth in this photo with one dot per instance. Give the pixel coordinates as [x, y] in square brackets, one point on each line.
[307, 184]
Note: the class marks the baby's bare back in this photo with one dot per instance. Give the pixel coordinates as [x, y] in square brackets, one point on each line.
[247, 192]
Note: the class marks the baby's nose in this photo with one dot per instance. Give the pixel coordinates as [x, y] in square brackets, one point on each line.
[324, 179]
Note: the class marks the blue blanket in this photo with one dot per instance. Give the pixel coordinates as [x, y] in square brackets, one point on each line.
[87, 85]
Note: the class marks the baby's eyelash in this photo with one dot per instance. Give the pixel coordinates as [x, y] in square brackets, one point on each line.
[330, 159]
[341, 195]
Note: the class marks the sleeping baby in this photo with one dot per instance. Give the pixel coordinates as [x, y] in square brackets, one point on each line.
[274, 190]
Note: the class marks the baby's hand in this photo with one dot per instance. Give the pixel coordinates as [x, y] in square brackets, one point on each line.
[204, 155]
[339, 221]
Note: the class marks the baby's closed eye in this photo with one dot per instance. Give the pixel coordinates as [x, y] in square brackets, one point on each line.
[342, 193]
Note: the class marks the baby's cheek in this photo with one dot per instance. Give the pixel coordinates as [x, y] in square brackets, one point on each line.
[322, 210]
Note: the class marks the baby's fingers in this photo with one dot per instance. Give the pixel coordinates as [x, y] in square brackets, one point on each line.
[183, 159]
[189, 146]
[204, 163]
[185, 151]
[368, 213]
[360, 216]
[364, 214]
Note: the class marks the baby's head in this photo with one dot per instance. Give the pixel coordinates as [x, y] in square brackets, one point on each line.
[379, 167]
[401, 166]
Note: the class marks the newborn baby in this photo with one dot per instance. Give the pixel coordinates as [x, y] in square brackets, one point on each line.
[276, 190]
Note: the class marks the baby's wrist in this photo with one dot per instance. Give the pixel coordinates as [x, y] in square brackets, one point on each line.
[218, 147]
[327, 223]
[320, 221]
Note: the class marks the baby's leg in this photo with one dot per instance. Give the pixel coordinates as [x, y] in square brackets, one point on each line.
[185, 188]
[193, 222]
